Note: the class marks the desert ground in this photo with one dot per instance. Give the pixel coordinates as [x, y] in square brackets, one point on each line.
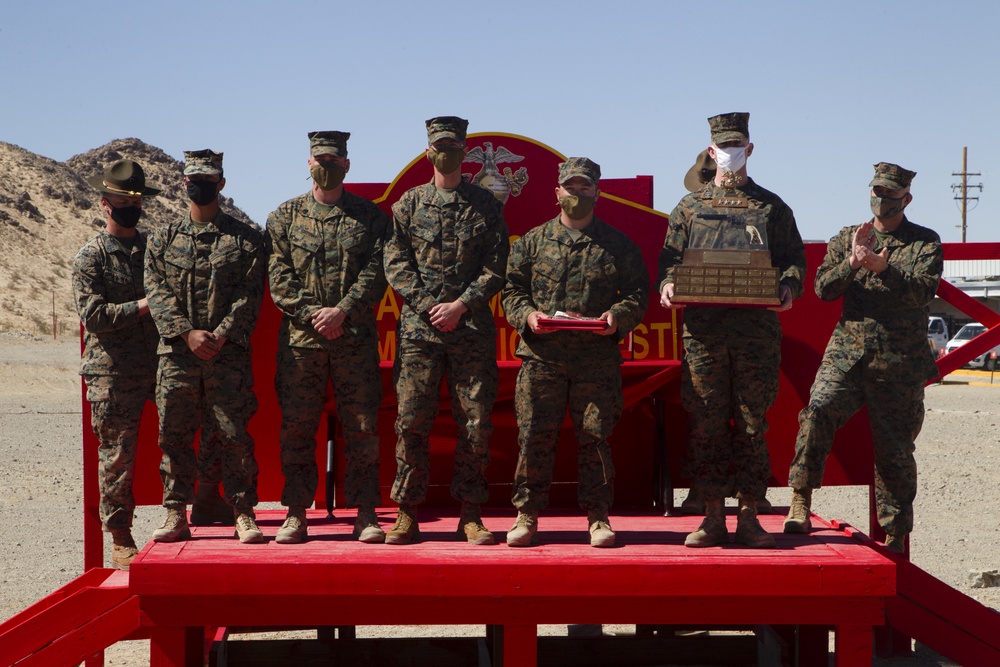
[958, 455]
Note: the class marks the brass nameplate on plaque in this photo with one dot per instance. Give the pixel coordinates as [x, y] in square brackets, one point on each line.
[734, 257]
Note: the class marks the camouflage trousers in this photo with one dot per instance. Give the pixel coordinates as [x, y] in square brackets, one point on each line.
[592, 392]
[116, 405]
[728, 382]
[357, 387]
[896, 414]
[469, 364]
[217, 396]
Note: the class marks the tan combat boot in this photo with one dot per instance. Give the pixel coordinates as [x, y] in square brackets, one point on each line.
[799, 511]
[175, 528]
[366, 528]
[712, 532]
[763, 505]
[209, 507]
[246, 527]
[601, 535]
[406, 529]
[895, 544]
[294, 530]
[748, 528]
[123, 550]
[522, 534]
[470, 526]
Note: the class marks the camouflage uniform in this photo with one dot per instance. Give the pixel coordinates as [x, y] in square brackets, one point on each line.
[119, 362]
[731, 355]
[877, 356]
[326, 256]
[445, 245]
[209, 279]
[600, 271]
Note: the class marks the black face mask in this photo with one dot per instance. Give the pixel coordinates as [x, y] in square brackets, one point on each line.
[202, 193]
[126, 216]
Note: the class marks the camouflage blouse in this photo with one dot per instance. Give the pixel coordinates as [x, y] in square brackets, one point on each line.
[549, 271]
[446, 245]
[326, 256]
[210, 279]
[107, 283]
[884, 318]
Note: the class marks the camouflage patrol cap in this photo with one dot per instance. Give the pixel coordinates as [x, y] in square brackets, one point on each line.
[328, 143]
[125, 178]
[730, 127]
[446, 126]
[701, 172]
[579, 166]
[205, 161]
[891, 176]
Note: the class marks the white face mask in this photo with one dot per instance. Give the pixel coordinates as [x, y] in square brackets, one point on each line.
[730, 159]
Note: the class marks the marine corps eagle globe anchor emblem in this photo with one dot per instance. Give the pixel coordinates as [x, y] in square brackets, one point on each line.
[502, 185]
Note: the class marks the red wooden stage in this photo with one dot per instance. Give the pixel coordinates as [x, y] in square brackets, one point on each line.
[825, 578]
[833, 578]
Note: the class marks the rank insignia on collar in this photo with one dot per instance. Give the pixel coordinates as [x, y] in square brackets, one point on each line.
[730, 202]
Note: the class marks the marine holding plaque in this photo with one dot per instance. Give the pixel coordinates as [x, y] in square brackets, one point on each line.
[727, 259]
[730, 244]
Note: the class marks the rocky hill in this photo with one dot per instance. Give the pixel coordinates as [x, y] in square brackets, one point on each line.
[48, 211]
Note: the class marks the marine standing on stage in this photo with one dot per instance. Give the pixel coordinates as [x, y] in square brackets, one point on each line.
[446, 257]
[205, 280]
[731, 355]
[887, 271]
[119, 356]
[326, 275]
[578, 264]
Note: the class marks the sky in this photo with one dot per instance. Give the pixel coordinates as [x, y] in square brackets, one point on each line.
[832, 88]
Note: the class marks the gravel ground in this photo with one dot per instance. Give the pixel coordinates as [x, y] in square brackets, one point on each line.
[958, 455]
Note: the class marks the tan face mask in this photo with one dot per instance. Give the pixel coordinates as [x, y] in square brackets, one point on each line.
[577, 207]
[446, 161]
[327, 176]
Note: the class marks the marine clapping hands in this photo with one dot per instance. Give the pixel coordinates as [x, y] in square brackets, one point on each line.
[862, 252]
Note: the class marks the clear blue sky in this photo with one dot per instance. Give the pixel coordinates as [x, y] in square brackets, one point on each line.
[832, 88]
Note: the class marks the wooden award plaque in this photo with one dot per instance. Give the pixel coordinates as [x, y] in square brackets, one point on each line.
[726, 277]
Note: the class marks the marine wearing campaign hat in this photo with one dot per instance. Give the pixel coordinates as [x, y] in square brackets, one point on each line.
[730, 127]
[205, 161]
[119, 357]
[443, 127]
[125, 178]
[579, 166]
[328, 143]
[891, 176]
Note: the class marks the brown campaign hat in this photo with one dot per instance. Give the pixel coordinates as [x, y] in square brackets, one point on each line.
[125, 178]
[701, 172]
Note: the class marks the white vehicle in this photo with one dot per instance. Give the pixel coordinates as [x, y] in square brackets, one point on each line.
[964, 335]
[937, 333]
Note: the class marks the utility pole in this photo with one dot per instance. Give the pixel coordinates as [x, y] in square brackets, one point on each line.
[964, 187]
